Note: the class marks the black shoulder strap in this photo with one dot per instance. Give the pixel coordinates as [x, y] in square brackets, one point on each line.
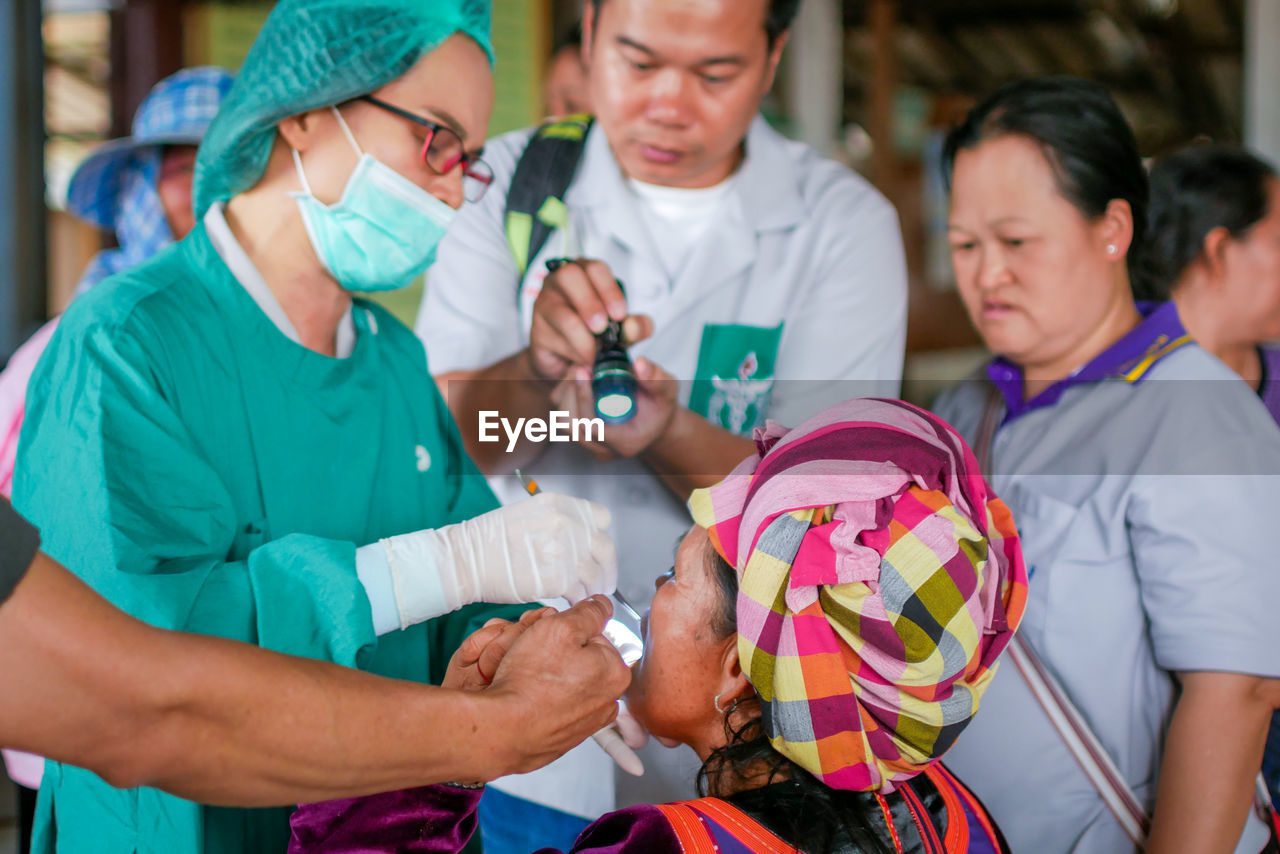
[535, 202]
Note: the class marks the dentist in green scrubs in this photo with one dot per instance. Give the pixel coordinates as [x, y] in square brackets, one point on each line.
[228, 440]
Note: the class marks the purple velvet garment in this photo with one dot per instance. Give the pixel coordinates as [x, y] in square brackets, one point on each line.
[429, 819]
[440, 820]
[1270, 391]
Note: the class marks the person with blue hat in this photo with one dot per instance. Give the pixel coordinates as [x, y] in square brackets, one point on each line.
[225, 441]
[139, 189]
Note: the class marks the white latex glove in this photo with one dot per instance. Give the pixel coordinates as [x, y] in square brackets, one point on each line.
[621, 739]
[550, 545]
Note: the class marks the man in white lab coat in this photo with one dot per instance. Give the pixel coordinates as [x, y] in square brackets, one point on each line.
[767, 280]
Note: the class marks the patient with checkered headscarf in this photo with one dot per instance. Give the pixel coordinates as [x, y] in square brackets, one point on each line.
[828, 627]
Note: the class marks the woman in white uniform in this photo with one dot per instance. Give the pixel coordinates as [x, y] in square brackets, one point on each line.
[1140, 472]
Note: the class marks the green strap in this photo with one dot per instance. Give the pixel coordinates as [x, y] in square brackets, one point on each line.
[572, 127]
[535, 200]
[519, 229]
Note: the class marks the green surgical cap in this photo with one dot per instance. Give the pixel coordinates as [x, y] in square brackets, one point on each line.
[317, 53]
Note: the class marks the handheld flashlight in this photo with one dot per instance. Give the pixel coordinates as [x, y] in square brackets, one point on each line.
[613, 377]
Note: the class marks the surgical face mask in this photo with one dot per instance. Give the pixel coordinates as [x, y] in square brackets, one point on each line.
[384, 231]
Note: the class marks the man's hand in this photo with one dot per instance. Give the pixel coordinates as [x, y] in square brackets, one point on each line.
[483, 651]
[559, 680]
[575, 304]
[655, 403]
[472, 667]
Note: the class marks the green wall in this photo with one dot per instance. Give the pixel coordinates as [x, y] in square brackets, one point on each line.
[521, 41]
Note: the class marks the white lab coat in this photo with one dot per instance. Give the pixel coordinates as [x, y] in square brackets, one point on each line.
[795, 298]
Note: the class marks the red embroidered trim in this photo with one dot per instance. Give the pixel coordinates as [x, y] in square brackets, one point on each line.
[693, 837]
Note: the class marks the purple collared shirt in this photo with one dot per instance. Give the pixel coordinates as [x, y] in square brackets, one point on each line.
[1160, 333]
[1270, 390]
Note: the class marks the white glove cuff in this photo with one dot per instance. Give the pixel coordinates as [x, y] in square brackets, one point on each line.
[415, 565]
[375, 576]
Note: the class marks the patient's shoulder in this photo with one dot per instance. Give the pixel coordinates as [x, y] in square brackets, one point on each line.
[632, 830]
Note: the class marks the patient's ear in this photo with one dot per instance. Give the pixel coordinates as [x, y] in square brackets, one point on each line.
[733, 683]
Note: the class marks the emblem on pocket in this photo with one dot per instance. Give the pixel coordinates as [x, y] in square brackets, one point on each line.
[733, 383]
[735, 398]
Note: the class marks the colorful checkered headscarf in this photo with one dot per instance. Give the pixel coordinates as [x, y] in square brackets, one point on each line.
[879, 579]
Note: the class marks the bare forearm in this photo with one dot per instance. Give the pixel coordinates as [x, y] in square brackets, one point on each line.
[508, 387]
[1212, 754]
[693, 453]
[218, 721]
[265, 729]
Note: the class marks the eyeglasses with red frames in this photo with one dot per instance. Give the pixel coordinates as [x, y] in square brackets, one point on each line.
[442, 151]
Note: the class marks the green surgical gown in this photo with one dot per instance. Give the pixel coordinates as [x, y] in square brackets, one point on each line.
[205, 473]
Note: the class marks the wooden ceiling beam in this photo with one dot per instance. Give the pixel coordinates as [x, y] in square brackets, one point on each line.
[146, 46]
[1174, 46]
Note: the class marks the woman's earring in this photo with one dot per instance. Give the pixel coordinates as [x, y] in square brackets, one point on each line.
[716, 701]
[1111, 249]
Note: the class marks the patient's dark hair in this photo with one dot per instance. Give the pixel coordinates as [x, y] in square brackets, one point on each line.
[805, 811]
[1193, 192]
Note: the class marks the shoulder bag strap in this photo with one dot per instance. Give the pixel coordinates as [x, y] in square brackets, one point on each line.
[535, 201]
[1062, 713]
[1080, 740]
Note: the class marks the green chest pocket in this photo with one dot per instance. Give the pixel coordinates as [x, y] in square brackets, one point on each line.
[734, 379]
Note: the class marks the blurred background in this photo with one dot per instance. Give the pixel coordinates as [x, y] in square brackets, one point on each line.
[874, 83]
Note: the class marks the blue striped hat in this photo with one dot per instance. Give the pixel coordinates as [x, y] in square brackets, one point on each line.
[177, 111]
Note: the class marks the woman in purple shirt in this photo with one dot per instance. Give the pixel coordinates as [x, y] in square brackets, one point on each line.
[1214, 225]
